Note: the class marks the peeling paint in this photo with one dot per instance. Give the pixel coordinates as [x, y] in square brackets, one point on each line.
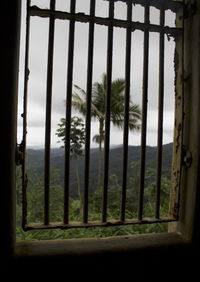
[176, 177]
[178, 123]
[179, 131]
[176, 64]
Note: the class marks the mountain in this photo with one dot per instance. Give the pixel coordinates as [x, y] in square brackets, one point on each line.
[35, 163]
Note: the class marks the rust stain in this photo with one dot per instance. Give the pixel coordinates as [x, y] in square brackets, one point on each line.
[176, 65]
[176, 210]
[178, 137]
[176, 177]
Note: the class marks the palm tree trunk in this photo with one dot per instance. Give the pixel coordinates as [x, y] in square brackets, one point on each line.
[99, 168]
[101, 133]
[78, 184]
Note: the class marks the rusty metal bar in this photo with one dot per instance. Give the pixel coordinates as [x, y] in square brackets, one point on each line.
[35, 226]
[144, 114]
[24, 115]
[160, 115]
[88, 110]
[107, 107]
[80, 17]
[68, 111]
[169, 4]
[48, 115]
[126, 110]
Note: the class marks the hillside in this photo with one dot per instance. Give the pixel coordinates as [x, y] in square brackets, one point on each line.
[35, 162]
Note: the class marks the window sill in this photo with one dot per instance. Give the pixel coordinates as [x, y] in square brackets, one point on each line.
[138, 255]
[98, 246]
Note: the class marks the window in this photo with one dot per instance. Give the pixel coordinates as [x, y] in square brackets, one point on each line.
[138, 248]
[50, 11]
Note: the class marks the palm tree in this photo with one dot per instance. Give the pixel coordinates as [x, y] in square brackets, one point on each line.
[98, 109]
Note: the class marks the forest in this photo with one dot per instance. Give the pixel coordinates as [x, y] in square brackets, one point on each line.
[72, 134]
[35, 192]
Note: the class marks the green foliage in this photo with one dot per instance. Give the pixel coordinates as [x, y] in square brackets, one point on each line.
[35, 191]
[77, 135]
[35, 212]
[77, 140]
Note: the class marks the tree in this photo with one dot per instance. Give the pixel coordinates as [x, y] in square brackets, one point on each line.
[98, 109]
[77, 140]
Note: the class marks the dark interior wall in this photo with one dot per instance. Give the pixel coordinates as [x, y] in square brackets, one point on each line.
[192, 98]
[155, 264]
[10, 33]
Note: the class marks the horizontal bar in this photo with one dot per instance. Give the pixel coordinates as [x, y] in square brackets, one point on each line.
[36, 226]
[80, 17]
[166, 4]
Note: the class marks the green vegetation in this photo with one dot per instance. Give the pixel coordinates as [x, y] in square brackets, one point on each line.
[35, 172]
[77, 140]
[35, 194]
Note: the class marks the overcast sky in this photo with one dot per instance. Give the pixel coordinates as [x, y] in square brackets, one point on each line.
[38, 70]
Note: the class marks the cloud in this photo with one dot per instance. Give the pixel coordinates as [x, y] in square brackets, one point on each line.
[38, 67]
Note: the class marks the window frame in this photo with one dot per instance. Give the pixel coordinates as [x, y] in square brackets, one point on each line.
[146, 27]
[184, 233]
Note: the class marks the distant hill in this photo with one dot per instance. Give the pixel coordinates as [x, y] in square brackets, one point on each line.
[35, 162]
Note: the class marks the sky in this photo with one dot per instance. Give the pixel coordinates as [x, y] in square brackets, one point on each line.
[38, 70]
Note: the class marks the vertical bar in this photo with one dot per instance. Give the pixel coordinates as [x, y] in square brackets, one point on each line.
[160, 114]
[88, 109]
[48, 114]
[126, 110]
[68, 111]
[107, 107]
[24, 115]
[144, 112]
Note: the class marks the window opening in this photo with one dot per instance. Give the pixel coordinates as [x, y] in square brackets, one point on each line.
[53, 13]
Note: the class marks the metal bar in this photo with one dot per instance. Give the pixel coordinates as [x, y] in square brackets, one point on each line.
[24, 115]
[160, 115]
[144, 114]
[68, 111]
[48, 115]
[169, 4]
[79, 17]
[88, 110]
[107, 107]
[36, 226]
[126, 110]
